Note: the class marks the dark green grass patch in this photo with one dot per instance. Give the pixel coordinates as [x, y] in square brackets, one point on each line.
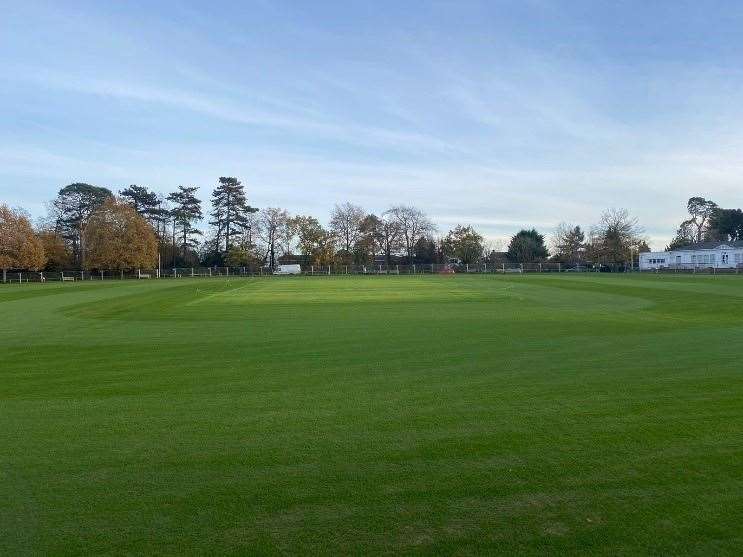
[436, 415]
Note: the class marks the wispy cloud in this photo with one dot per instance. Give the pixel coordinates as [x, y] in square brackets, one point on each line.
[289, 118]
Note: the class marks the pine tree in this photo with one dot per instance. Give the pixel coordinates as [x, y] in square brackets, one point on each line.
[230, 211]
[144, 201]
[72, 208]
[150, 206]
[186, 210]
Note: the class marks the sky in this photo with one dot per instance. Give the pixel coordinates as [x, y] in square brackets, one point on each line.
[495, 114]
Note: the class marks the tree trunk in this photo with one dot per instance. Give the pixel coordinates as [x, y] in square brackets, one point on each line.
[81, 246]
[174, 246]
[227, 233]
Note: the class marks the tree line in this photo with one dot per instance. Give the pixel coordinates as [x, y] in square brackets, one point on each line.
[90, 227]
[708, 222]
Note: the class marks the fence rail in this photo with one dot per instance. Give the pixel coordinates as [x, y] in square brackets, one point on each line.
[699, 267]
[21, 276]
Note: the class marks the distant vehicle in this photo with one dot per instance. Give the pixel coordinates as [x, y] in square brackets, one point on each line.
[288, 270]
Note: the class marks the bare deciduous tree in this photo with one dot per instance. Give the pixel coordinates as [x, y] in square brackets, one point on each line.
[614, 238]
[390, 236]
[272, 225]
[413, 225]
[345, 224]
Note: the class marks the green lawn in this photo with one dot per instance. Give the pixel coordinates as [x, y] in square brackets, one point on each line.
[535, 414]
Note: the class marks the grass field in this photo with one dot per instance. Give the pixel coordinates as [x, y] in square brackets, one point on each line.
[450, 415]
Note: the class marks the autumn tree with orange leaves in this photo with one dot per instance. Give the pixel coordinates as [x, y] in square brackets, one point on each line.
[20, 248]
[58, 253]
[117, 237]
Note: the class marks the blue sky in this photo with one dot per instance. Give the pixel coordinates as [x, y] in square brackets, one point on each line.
[496, 114]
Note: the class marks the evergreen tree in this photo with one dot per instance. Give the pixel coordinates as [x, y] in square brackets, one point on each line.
[527, 246]
[186, 210]
[700, 211]
[684, 237]
[726, 225]
[230, 211]
[144, 201]
[72, 208]
[569, 244]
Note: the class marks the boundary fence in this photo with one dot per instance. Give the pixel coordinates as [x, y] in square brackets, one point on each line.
[697, 268]
[20, 276]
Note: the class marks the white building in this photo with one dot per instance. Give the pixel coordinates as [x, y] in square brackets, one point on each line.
[716, 255]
